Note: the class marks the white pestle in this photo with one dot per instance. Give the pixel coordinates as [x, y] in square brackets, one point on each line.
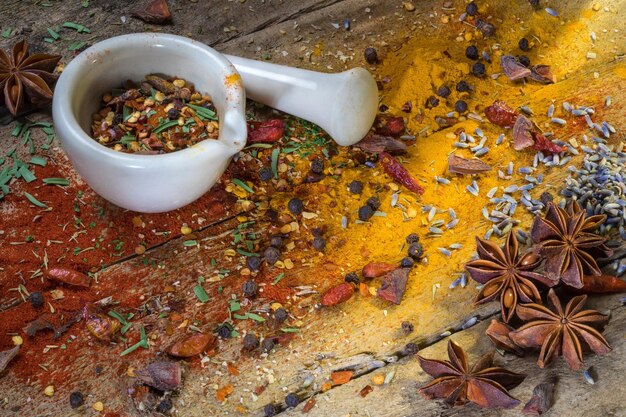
[343, 104]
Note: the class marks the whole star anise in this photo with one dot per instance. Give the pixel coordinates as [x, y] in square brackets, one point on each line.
[566, 241]
[457, 383]
[506, 275]
[558, 331]
[25, 77]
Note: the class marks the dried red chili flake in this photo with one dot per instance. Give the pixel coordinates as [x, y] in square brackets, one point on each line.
[267, 131]
[377, 269]
[155, 11]
[308, 406]
[192, 345]
[341, 377]
[543, 144]
[68, 276]
[393, 285]
[394, 126]
[395, 170]
[366, 390]
[499, 113]
[337, 294]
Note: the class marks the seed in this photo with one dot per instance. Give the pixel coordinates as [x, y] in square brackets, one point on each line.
[445, 251]
[319, 243]
[292, 400]
[523, 44]
[276, 241]
[269, 410]
[159, 96]
[355, 187]
[280, 314]
[443, 91]
[179, 83]
[373, 202]
[524, 60]
[478, 69]
[365, 213]
[266, 174]
[224, 330]
[253, 263]
[98, 406]
[250, 341]
[416, 251]
[462, 86]
[412, 238]
[371, 56]
[76, 399]
[460, 106]
[471, 52]
[317, 166]
[36, 299]
[508, 298]
[250, 289]
[49, 390]
[471, 9]
[271, 255]
[378, 379]
[295, 206]
[407, 262]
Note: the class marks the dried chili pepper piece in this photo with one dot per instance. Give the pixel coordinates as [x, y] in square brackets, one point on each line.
[395, 170]
[155, 11]
[337, 294]
[543, 144]
[377, 269]
[268, 131]
[68, 276]
[394, 126]
[499, 113]
[162, 375]
[191, 345]
[341, 377]
[393, 285]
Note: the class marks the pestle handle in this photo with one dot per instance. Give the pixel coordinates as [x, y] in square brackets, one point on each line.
[343, 104]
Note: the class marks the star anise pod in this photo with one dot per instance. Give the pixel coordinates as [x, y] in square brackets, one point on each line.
[506, 274]
[558, 331]
[457, 383]
[25, 77]
[567, 243]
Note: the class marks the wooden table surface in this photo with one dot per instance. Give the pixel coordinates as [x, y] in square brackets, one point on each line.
[362, 334]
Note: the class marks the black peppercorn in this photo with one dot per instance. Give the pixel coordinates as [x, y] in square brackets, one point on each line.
[383, 108]
[432, 101]
[36, 299]
[416, 251]
[523, 44]
[407, 327]
[319, 243]
[443, 91]
[407, 262]
[317, 166]
[280, 314]
[250, 289]
[76, 399]
[373, 202]
[224, 330]
[478, 69]
[295, 206]
[250, 341]
[471, 9]
[486, 28]
[471, 52]
[412, 238]
[352, 277]
[460, 106]
[268, 344]
[271, 255]
[164, 406]
[371, 56]
[524, 60]
[355, 187]
[365, 213]
[269, 410]
[462, 86]
[173, 113]
[534, 3]
[411, 348]
[317, 231]
[276, 241]
[253, 263]
[292, 400]
[265, 174]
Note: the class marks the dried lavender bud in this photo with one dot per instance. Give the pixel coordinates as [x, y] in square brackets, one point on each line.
[271, 255]
[266, 174]
[76, 399]
[164, 406]
[407, 327]
[352, 277]
[478, 69]
[295, 206]
[317, 166]
[36, 299]
[268, 344]
[269, 410]
[524, 60]
[460, 106]
[355, 187]
[371, 56]
[250, 341]
[443, 91]
[292, 400]
[280, 314]
[411, 348]
[365, 213]
[407, 262]
[416, 251]
[471, 9]
[250, 289]
[471, 52]
[373, 202]
[319, 243]
[224, 330]
[412, 238]
[462, 86]
[276, 242]
[253, 263]
[523, 44]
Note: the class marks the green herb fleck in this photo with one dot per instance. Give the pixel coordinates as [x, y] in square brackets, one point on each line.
[201, 293]
[34, 200]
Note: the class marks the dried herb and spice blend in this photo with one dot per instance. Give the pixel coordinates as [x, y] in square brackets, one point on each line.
[161, 115]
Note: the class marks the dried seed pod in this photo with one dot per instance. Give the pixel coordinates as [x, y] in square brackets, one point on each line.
[522, 136]
[513, 69]
[192, 345]
[542, 74]
[101, 326]
[164, 376]
[463, 166]
[68, 276]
